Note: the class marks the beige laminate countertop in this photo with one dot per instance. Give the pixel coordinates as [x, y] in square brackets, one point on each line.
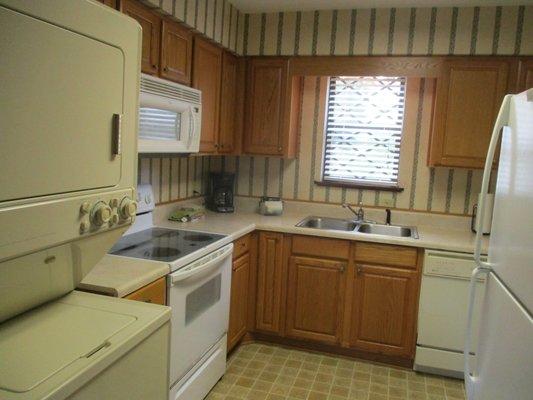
[120, 276]
[239, 223]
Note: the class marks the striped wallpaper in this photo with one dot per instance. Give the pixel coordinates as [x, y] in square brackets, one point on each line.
[410, 31]
[219, 20]
[391, 31]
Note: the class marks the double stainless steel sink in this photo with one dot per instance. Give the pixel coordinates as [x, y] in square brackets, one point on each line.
[347, 225]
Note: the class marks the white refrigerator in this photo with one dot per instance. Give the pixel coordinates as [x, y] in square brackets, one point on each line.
[503, 365]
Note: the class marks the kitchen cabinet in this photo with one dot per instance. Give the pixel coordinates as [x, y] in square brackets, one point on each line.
[461, 127]
[315, 299]
[525, 74]
[176, 52]
[207, 68]
[151, 33]
[383, 300]
[228, 103]
[155, 292]
[109, 3]
[273, 105]
[270, 279]
[240, 275]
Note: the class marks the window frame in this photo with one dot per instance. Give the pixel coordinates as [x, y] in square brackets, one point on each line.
[393, 187]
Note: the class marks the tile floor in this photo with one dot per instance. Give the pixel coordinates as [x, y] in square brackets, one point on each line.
[269, 372]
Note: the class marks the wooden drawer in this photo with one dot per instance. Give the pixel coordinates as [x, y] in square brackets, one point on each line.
[155, 292]
[241, 246]
[386, 254]
[313, 246]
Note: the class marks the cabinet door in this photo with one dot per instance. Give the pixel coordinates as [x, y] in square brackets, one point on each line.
[315, 299]
[383, 310]
[109, 3]
[238, 299]
[267, 84]
[207, 66]
[155, 292]
[228, 101]
[269, 282]
[176, 52]
[151, 32]
[525, 74]
[468, 97]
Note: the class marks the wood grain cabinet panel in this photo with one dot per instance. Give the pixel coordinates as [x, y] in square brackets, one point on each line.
[228, 103]
[238, 300]
[386, 254]
[468, 96]
[155, 292]
[269, 282]
[273, 108]
[383, 310]
[315, 299]
[151, 33]
[109, 3]
[176, 52]
[207, 67]
[525, 74]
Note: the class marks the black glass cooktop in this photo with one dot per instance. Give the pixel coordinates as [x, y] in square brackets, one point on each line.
[162, 244]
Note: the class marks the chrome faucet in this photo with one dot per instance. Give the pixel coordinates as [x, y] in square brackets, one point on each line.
[360, 213]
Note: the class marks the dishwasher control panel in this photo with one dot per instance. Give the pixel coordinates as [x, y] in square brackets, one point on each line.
[449, 264]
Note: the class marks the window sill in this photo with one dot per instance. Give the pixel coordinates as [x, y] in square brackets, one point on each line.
[364, 186]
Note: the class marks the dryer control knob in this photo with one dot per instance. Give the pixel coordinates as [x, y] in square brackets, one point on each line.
[101, 213]
[128, 208]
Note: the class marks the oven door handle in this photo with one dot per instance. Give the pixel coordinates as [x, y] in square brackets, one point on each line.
[198, 268]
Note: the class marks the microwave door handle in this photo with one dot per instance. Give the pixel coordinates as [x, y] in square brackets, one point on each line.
[192, 127]
[187, 273]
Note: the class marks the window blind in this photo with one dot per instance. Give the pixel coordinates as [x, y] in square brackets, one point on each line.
[364, 124]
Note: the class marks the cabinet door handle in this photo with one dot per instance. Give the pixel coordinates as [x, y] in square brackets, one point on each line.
[359, 269]
[165, 69]
[342, 268]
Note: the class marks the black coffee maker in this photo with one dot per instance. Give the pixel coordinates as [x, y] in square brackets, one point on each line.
[220, 192]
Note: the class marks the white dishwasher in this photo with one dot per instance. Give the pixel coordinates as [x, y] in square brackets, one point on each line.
[442, 312]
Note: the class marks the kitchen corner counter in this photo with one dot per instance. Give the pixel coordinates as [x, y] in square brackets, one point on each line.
[120, 276]
[239, 223]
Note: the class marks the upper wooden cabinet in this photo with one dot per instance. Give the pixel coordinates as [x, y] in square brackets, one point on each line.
[176, 52]
[315, 299]
[269, 282]
[525, 74]
[228, 104]
[468, 96]
[271, 126]
[151, 33]
[207, 68]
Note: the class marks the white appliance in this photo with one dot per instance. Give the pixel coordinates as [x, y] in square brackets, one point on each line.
[69, 74]
[198, 294]
[170, 117]
[504, 354]
[442, 312]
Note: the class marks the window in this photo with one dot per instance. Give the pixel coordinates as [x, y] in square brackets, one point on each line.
[364, 124]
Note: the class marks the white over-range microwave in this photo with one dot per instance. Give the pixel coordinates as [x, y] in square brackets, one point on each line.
[170, 117]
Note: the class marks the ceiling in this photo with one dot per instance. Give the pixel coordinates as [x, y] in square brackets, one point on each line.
[255, 6]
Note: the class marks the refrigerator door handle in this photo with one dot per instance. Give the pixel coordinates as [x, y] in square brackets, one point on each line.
[501, 120]
[470, 379]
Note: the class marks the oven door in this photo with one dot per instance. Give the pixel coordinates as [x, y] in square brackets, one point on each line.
[199, 297]
[168, 125]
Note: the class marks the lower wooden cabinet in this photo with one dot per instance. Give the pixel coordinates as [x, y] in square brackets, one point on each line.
[155, 292]
[383, 310]
[240, 275]
[269, 282]
[315, 299]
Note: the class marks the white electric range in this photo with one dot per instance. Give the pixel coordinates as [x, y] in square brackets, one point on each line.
[198, 291]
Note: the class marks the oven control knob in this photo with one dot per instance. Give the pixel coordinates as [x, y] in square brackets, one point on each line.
[128, 208]
[101, 213]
